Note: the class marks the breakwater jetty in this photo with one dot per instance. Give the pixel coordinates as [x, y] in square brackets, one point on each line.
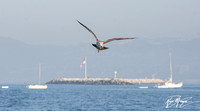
[104, 81]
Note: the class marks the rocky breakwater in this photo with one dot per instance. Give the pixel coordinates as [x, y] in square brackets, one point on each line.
[104, 81]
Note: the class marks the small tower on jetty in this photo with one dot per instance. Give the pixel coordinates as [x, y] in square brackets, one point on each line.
[115, 75]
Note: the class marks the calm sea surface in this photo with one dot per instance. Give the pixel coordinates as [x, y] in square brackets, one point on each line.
[99, 98]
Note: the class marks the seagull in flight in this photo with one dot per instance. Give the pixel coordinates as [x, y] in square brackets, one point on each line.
[100, 44]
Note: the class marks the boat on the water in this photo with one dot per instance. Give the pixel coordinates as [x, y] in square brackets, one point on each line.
[4, 87]
[38, 86]
[143, 87]
[169, 83]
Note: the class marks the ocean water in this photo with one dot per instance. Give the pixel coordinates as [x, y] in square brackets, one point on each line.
[98, 98]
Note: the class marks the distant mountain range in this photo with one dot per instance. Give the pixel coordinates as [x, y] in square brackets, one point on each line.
[140, 58]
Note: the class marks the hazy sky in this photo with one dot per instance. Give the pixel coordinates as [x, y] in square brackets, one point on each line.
[54, 21]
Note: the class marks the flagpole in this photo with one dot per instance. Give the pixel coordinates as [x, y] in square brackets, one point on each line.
[85, 68]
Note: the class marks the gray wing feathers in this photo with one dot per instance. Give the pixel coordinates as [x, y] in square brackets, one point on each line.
[88, 30]
[116, 39]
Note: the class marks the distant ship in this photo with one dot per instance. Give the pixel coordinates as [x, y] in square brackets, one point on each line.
[169, 83]
[5, 87]
[37, 86]
[143, 87]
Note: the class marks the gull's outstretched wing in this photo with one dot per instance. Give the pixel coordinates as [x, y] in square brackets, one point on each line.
[116, 39]
[88, 30]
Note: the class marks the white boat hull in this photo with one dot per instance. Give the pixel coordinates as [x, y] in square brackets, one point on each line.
[5, 87]
[37, 86]
[170, 85]
[143, 87]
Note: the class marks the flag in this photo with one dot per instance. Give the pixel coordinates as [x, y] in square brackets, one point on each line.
[83, 62]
